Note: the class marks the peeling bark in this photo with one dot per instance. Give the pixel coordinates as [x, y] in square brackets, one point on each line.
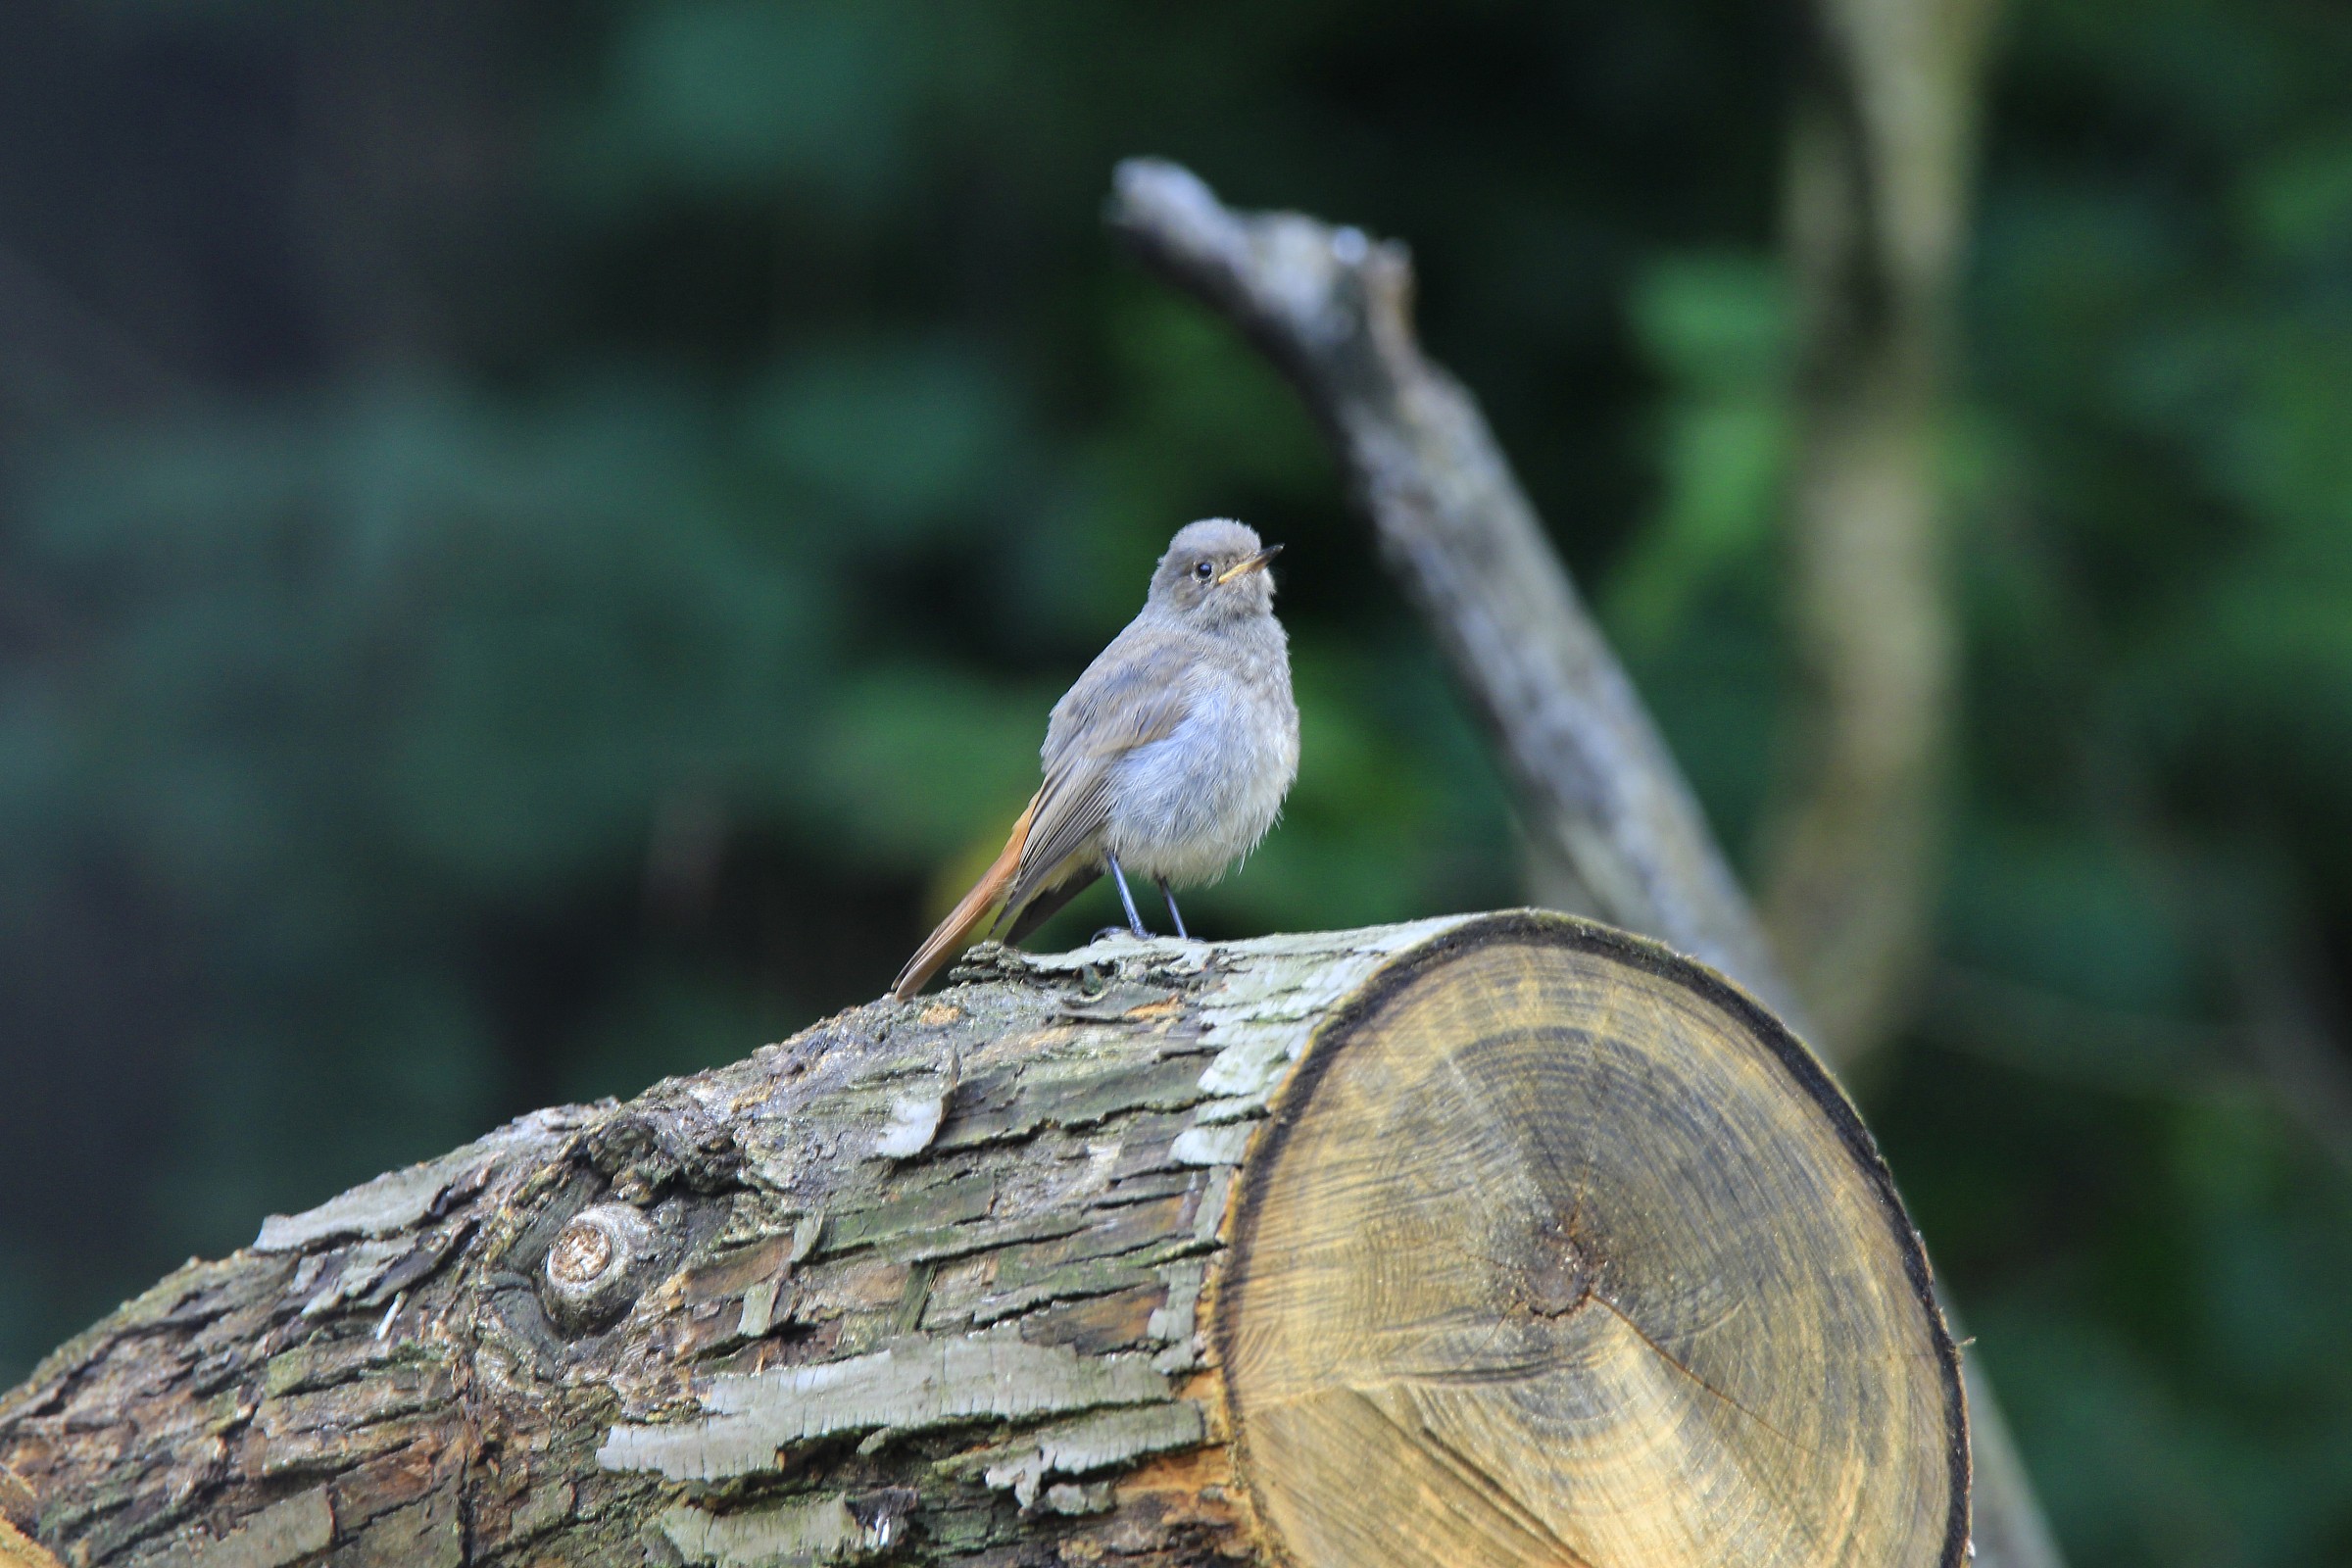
[940, 1281]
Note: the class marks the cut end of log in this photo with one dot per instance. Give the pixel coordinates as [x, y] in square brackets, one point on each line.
[1560, 1251]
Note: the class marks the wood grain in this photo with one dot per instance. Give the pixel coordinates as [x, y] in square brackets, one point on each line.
[1562, 1255]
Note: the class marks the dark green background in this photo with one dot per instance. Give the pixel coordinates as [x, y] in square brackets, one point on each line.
[536, 541]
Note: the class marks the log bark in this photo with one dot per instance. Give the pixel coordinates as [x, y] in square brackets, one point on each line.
[1492, 1240]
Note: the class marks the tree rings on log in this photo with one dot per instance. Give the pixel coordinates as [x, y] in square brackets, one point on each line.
[1559, 1250]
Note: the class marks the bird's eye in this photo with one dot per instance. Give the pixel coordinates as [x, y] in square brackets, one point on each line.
[1203, 570]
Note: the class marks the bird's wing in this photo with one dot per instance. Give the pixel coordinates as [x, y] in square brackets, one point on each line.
[1119, 703]
[1124, 697]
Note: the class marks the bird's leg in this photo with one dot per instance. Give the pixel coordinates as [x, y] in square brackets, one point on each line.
[1168, 892]
[1134, 921]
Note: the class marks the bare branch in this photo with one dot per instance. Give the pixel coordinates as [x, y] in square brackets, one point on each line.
[1593, 781]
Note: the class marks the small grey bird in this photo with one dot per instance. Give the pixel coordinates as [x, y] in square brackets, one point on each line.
[1169, 757]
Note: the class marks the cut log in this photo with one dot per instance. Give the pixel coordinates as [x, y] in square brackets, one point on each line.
[1490, 1241]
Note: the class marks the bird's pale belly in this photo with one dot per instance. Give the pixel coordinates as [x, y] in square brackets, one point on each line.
[1186, 808]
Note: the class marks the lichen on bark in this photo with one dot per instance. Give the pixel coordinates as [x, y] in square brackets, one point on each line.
[923, 1281]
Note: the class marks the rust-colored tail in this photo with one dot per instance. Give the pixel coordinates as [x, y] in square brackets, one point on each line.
[973, 911]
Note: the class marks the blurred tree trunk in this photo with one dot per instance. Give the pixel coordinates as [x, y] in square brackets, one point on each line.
[1881, 152]
[1879, 161]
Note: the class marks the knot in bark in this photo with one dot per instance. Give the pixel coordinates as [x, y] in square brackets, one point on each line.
[591, 1268]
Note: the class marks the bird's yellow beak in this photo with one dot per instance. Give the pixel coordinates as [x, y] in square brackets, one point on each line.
[1256, 563]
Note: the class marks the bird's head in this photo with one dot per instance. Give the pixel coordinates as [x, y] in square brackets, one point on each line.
[1214, 570]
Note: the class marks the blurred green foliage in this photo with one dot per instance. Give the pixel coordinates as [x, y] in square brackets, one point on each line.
[536, 543]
